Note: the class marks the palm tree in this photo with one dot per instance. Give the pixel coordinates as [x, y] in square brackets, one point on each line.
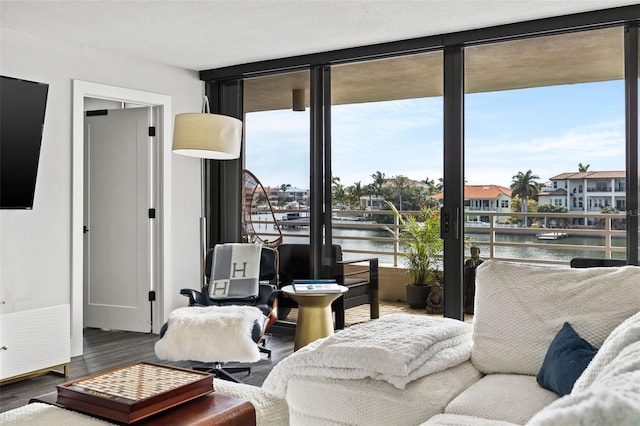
[283, 188]
[378, 180]
[440, 184]
[356, 191]
[400, 183]
[525, 186]
[582, 169]
[339, 194]
[431, 184]
[370, 190]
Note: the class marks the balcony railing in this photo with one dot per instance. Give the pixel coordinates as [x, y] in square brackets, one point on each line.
[551, 238]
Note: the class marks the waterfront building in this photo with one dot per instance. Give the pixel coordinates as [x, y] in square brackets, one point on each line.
[483, 198]
[294, 194]
[372, 202]
[586, 192]
[272, 194]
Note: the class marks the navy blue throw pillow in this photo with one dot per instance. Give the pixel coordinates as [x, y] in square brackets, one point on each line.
[567, 357]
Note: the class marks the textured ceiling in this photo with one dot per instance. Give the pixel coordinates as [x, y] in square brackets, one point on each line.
[200, 35]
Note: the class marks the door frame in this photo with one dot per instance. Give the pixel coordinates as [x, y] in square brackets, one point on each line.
[82, 90]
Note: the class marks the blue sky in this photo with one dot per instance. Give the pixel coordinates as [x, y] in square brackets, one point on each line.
[548, 130]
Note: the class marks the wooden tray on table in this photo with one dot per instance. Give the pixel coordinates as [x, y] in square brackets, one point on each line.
[132, 392]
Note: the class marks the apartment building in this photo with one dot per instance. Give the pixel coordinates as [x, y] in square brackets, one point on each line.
[586, 191]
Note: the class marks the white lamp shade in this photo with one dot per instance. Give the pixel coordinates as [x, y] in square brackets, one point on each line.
[212, 136]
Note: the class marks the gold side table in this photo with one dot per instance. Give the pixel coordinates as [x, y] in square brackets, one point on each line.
[314, 315]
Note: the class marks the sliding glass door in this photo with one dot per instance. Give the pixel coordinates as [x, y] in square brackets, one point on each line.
[386, 146]
[545, 147]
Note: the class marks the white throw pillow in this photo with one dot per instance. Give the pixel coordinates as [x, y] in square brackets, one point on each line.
[520, 308]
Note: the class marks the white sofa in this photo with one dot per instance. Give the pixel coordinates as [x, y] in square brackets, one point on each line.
[519, 310]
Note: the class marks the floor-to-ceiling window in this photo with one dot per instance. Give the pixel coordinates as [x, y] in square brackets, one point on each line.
[386, 146]
[545, 147]
[544, 118]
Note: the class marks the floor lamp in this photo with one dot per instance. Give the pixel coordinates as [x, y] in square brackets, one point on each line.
[208, 137]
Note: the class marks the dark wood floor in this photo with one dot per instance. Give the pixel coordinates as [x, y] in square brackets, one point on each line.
[104, 350]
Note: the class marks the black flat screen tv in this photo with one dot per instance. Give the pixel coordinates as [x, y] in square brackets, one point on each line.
[22, 110]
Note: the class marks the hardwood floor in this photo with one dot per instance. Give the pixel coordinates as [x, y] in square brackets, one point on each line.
[104, 350]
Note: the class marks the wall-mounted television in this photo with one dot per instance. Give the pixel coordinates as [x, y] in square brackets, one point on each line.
[22, 110]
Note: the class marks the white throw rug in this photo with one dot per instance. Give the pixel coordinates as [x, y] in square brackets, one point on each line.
[397, 348]
[210, 334]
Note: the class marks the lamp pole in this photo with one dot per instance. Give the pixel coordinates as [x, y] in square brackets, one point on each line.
[206, 136]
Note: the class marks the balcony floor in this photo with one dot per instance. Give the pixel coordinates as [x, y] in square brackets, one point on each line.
[360, 313]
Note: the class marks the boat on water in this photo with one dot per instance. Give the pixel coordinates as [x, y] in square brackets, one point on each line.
[552, 235]
[293, 220]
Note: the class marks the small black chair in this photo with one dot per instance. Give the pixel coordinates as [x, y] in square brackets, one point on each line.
[362, 283]
[589, 262]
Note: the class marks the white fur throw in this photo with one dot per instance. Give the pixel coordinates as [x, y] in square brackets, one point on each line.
[520, 308]
[210, 334]
[397, 348]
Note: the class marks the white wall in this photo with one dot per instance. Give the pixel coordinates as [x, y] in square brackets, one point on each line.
[35, 246]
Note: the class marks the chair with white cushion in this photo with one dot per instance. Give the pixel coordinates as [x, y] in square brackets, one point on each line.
[234, 308]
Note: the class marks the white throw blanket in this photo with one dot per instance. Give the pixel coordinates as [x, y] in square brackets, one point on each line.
[397, 348]
[236, 270]
[210, 334]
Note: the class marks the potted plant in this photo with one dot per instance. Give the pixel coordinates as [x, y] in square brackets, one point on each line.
[421, 238]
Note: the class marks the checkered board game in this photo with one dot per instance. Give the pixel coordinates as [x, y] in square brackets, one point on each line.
[135, 391]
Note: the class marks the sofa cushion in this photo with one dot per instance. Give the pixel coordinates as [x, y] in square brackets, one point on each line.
[567, 357]
[519, 309]
[38, 413]
[271, 410]
[612, 399]
[325, 401]
[621, 337]
[505, 397]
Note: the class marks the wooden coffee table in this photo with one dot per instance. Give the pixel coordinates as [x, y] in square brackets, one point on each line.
[210, 409]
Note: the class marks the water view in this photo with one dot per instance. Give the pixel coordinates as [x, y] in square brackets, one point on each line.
[378, 240]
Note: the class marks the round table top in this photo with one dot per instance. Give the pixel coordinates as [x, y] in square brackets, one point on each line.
[289, 290]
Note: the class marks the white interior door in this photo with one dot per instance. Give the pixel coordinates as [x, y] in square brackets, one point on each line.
[118, 228]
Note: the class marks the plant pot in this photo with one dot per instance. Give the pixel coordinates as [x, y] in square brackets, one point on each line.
[417, 295]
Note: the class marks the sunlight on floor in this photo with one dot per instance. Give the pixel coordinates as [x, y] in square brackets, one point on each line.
[360, 313]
